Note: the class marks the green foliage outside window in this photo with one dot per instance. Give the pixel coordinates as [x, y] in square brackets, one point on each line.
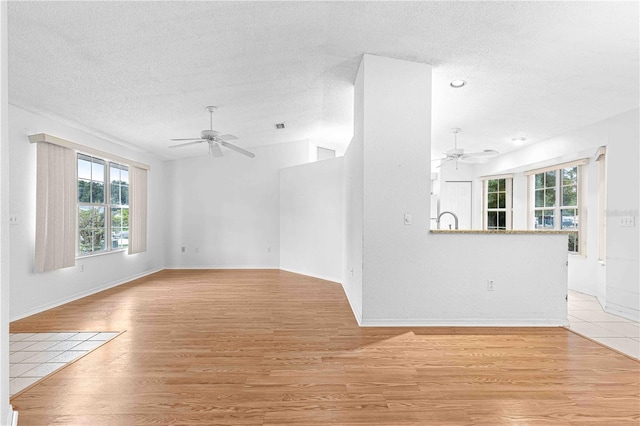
[556, 202]
[496, 204]
[98, 231]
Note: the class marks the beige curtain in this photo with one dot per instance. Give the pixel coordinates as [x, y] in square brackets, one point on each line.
[56, 198]
[137, 210]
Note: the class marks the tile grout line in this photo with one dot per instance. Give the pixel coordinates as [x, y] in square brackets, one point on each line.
[591, 300]
[66, 364]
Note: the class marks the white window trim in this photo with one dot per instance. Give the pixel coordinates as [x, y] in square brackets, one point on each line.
[582, 211]
[508, 202]
[601, 159]
[107, 205]
[580, 162]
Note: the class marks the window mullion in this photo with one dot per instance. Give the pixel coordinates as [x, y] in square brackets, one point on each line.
[557, 223]
[98, 205]
[509, 204]
[108, 242]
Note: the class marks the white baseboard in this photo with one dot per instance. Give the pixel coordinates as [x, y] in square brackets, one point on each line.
[12, 417]
[82, 294]
[187, 267]
[622, 311]
[356, 312]
[466, 322]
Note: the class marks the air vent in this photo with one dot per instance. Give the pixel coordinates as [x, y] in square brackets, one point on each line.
[280, 126]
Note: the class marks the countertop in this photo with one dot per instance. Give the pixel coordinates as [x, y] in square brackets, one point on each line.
[494, 231]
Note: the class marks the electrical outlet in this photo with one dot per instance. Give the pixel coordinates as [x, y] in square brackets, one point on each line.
[197, 250]
[627, 221]
[183, 249]
[82, 267]
[490, 286]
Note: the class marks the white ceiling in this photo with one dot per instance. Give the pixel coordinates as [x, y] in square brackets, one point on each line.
[142, 72]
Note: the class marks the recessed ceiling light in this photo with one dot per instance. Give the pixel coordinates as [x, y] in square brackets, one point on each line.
[456, 84]
[519, 139]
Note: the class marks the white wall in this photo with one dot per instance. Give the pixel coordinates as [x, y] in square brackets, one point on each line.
[448, 282]
[615, 283]
[412, 277]
[623, 180]
[34, 292]
[397, 133]
[312, 219]
[5, 408]
[226, 211]
[354, 203]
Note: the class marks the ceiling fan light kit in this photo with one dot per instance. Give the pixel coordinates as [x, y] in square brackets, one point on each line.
[214, 139]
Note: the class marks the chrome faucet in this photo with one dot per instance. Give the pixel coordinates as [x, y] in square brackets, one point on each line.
[455, 218]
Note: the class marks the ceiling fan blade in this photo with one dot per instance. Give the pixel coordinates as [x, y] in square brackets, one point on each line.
[186, 144]
[214, 149]
[456, 151]
[485, 153]
[187, 139]
[227, 137]
[237, 149]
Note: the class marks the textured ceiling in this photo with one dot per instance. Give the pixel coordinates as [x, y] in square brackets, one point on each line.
[142, 72]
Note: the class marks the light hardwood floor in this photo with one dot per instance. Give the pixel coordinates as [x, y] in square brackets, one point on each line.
[275, 348]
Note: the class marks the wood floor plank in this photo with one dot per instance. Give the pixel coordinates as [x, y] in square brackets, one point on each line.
[268, 347]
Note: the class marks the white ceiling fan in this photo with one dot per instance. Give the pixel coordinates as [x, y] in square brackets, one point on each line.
[214, 139]
[457, 154]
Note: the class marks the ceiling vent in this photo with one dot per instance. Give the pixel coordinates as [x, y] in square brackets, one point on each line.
[280, 126]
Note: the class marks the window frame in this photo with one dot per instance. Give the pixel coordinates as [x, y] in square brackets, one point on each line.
[601, 159]
[508, 209]
[107, 204]
[559, 206]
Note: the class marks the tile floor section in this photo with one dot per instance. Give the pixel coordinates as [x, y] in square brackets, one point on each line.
[587, 318]
[33, 356]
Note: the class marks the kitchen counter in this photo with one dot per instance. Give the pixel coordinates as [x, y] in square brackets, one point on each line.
[494, 231]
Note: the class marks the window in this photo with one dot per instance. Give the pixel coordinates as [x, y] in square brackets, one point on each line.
[103, 210]
[602, 203]
[556, 201]
[498, 203]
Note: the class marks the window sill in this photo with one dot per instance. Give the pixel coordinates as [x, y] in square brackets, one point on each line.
[102, 253]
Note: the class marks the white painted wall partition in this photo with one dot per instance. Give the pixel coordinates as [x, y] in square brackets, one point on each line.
[225, 211]
[354, 203]
[312, 219]
[6, 414]
[34, 292]
[615, 283]
[412, 277]
[623, 243]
